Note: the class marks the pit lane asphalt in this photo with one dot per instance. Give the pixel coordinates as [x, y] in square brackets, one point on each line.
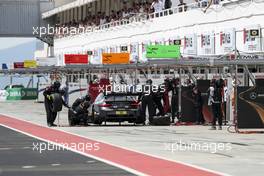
[18, 157]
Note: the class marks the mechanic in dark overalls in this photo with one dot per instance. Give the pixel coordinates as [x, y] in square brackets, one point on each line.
[198, 105]
[147, 101]
[157, 97]
[174, 99]
[54, 88]
[83, 102]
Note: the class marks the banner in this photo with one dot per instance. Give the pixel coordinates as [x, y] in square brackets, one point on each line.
[4, 66]
[46, 61]
[134, 52]
[163, 51]
[76, 58]
[252, 38]
[18, 65]
[30, 64]
[143, 49]
[22, 94]
[227, 40]
[206, 44]
[115, 58]
[190, 44]
[251, 106]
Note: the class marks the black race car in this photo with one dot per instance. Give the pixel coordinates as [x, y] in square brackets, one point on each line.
[117, 107]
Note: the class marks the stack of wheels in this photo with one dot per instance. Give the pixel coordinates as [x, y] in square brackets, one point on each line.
[161, 120]
[56, 102]
[140, 120]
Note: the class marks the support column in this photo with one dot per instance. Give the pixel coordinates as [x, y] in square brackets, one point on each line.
[84, 12]
[107, 5]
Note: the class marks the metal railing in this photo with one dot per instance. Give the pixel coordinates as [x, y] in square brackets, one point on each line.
[137, 17]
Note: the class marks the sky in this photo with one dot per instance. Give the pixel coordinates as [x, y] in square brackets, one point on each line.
[13, 50]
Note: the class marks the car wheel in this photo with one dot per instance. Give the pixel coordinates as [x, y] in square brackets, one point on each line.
[95, 119]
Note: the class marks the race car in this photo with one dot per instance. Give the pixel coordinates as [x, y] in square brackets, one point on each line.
[117, 107]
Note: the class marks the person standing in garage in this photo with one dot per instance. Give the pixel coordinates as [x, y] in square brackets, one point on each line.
[216, 104]
[147, 101]
[174, 99]
[157, 97]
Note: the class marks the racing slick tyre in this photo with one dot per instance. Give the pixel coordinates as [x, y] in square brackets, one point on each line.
[56, 102]
[161, 120]
[140, 120]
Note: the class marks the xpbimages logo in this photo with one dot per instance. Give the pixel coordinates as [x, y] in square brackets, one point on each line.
[211, 147]
[124, 88]
[51, 30]
[61, 146]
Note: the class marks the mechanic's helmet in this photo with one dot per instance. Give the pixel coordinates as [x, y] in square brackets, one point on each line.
[87, 97]
[56, 84]
[149, 81]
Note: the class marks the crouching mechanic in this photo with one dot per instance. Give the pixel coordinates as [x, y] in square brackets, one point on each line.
[48, 101]
[80, 109]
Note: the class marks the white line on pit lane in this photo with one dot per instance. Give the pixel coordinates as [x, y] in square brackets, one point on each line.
[28, 167]
[5, 148]
[91, 161]
[56, 164]
[27, 147]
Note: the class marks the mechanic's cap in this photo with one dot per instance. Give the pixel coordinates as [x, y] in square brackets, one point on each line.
[57, 84]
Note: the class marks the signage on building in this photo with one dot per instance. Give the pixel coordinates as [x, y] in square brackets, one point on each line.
[252, 39]
[227, 41]
[206, 44]
[18, 65]
[46, 61]
[190, 44]
[163, 51]
[177, 42]
[115, 58]
[89, 53]
[124, 48]
[134, 52]
[30, 64]
[76, 58]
